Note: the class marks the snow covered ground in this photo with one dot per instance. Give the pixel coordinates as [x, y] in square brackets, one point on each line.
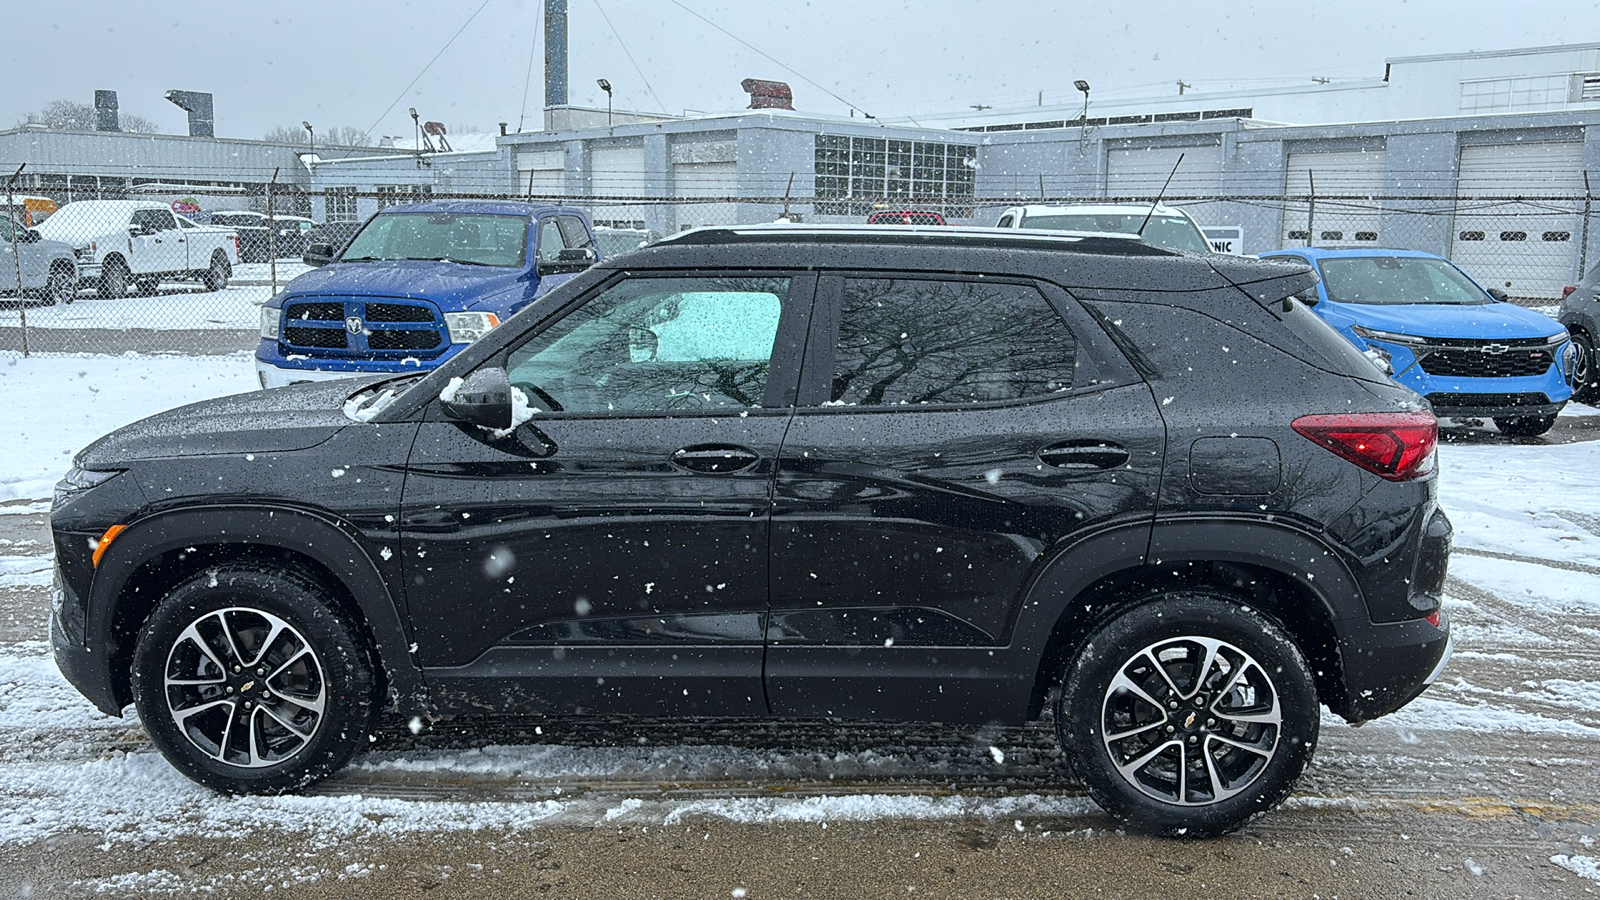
[178, 306]
[1515, 720]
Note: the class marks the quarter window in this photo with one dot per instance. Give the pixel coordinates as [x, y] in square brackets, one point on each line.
[905, 341]
[657, 345]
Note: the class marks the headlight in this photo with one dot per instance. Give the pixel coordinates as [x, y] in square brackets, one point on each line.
[466, 327]
[78, 480]
[1380, 358]
[1390, 337]
[269, 322]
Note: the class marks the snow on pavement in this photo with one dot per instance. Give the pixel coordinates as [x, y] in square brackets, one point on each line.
[54, 405]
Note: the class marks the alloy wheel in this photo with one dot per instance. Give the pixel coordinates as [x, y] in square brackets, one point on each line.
[245, 687]
[1191, 720]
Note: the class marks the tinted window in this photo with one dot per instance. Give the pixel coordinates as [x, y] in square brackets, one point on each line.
[154, 219]
[573, 233]
[483, 240]
[1389, 280]
[915, 341]
[658, 344]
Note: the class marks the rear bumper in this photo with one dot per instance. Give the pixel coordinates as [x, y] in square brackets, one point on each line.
[1387, 665]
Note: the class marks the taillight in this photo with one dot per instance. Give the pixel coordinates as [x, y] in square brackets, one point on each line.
[1397, 446]
[1567, 290]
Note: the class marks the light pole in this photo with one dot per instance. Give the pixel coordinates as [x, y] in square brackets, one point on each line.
[606, 86]
[1083, 120]
[313, 132]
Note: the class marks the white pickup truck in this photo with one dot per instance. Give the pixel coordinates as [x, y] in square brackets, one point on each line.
[127, 244]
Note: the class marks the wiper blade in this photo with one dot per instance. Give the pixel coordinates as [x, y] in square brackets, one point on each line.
[463, 262]
[360, 259]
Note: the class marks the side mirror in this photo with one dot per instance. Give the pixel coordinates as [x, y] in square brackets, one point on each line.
[484, 398]
[317, 255]
[567, 261]
[137, 231]
[1500, 295]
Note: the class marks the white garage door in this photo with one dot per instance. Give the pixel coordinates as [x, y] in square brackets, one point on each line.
[617, 171]
[1527, 248]
[1335, 223]
[706, 179]
[1140, 172]
[542, 173]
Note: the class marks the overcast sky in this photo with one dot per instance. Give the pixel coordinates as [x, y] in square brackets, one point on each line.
[344, 62]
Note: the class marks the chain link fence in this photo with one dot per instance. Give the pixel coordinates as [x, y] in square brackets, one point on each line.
[175, 269]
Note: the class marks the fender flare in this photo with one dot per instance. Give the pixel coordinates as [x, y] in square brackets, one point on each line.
[330, 542]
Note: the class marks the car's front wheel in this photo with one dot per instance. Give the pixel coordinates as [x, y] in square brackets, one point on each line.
[1525, 426]
[1188, 713]
[1585, 371]
[249, 681]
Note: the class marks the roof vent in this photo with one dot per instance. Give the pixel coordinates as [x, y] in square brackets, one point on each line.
[768, 94]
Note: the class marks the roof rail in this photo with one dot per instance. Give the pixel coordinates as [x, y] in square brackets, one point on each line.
[941, 235]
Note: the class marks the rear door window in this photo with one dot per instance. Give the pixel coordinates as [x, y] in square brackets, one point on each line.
[919, 341]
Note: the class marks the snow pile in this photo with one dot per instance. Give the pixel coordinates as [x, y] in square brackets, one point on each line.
[54, 405]
[1587, 866]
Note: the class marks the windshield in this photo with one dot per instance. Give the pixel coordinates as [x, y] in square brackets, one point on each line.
[1398, 280]
[1166, 232]
[472, 239]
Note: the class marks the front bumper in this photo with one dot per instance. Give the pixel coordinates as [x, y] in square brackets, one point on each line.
[1386, 665]
[84, 670]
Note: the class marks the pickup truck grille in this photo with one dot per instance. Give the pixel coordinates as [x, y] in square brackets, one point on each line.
[360, 329]
[1488, 358]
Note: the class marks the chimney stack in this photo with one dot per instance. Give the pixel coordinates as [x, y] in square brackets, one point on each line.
[198, 106]
[555, 53]
[105, 111]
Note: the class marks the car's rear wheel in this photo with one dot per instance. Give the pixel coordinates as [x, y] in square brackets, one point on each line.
[1187, 714]
[1525, 426]
[114, 278]
[1585, 371]
[216, 277]
[250, 682]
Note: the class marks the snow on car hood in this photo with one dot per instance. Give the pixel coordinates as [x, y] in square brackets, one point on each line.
[1442, 320]
[279, 420]
[445, 283]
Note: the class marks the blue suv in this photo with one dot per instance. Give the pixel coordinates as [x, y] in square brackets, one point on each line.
[415, 285]
[1438, 332]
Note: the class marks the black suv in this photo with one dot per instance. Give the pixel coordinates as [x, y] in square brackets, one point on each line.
[860, 473]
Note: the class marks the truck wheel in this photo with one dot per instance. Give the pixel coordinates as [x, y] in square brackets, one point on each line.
[1187, 714]
[216, 277]
[114, 277]
[249, 682]
[62, 287]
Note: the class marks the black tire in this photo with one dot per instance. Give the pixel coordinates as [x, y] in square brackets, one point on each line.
[216, 277]
[62, 287]
[1249, 668]
[1525, 426]
[114, 278]
[293, 676]
[1585, 369]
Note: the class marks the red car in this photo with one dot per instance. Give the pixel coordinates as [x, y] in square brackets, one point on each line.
[905, 217]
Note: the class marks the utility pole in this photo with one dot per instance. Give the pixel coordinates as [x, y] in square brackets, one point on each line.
[272, 231]
[1183, 86]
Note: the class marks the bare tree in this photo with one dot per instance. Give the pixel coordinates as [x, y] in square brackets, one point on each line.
[336, 136]
[70, 115]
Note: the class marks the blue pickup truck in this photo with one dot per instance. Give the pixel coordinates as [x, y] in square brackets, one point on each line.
[416, 284]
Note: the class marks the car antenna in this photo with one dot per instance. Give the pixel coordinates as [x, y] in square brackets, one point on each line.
[1163, 193]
